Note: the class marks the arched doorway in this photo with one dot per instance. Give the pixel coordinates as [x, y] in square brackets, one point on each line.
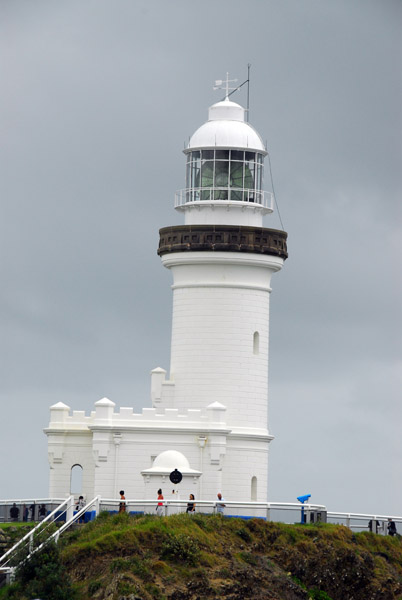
[76, 480]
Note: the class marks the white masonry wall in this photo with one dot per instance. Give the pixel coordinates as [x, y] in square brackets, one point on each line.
[220, 303]
[113, 448]
[246, 458]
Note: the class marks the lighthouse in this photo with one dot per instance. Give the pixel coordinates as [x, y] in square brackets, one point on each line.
[222, 260]
[209, 414]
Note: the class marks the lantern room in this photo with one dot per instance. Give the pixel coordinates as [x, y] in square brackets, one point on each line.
[225, 166]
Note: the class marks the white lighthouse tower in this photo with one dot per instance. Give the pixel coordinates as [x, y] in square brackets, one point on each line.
[222, 260]
[209, 416]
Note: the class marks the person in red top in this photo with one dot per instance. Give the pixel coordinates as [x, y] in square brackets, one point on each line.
[159, 508]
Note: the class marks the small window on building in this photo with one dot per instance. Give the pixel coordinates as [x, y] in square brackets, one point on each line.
[76, 480]
[254, 489]
[256, 342]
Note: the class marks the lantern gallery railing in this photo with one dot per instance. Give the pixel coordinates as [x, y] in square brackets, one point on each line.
[216, 194]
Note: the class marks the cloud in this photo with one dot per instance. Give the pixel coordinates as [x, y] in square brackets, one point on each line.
[97, 102]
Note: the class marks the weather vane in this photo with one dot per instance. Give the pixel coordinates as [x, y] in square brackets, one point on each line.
[224, 85]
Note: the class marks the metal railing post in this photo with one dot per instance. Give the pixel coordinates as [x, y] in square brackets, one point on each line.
[70, 508]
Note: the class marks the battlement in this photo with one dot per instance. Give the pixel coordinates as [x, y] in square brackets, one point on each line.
[105, 416]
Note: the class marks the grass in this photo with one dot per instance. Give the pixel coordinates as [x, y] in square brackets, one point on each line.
[18, 525]
[154, 558]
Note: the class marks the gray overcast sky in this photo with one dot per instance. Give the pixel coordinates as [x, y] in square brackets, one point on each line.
[98, 98]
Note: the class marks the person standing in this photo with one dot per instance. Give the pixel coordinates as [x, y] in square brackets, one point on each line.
[191, 505]
[159, 507]
[42, 512]
[14, 512]
[220, 506]
[80, 505]
[32, 509]
[391, 527]
[122, 505]
[373, 525]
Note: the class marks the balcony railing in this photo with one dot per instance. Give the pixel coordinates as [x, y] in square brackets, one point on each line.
[224, 196]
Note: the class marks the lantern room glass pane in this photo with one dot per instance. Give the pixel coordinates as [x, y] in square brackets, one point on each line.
[259, 177]
[222, 154]
[207, 173]
[237, 155]
[188, 175]
[221, 194]
[249, 175]
[238, 196]
[207, 154]
[195, 174]
[206, 194]
[221, 173]
[236, 174]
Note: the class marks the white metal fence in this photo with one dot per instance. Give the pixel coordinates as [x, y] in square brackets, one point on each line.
[285, 512]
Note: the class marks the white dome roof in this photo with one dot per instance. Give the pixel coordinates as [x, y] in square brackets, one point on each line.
[171, 459]
[226, 128]
[168, 461]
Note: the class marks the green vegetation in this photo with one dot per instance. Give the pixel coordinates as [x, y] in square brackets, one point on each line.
[43, 576]
[184, 558]
[17, 525]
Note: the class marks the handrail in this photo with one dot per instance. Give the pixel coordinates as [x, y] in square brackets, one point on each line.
[67, 524]
[31, 533]
[181, 501]
[363, 516]
[30, 499]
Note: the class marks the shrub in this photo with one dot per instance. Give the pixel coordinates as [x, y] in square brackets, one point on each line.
[316, 594]
[140, 567]
[43, 576]
[119, 564]
[248, 558]
[244, 535]
[94, 586]
[181, 548]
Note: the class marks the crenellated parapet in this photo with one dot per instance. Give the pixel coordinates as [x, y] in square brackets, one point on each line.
[105, 417]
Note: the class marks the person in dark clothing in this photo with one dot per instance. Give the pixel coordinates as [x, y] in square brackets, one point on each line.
[80, 505]
[191, 505]
[391, 527]
[14, 512]
[373, 525]
[32, 509]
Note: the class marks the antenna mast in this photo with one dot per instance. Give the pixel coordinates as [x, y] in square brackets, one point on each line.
[248, 91]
